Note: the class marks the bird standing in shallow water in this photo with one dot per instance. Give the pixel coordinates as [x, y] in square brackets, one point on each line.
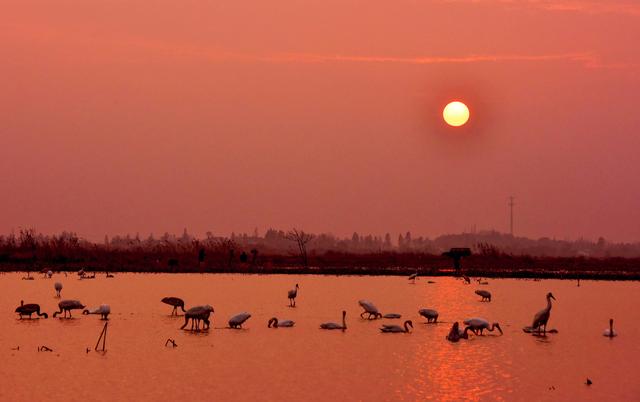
[292, 294]
[610, 332]
[542, 317]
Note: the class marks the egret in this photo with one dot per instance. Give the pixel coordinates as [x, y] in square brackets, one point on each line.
[397, 328]
[333, 325]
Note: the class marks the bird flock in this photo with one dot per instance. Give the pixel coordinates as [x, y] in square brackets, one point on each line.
[200, 316]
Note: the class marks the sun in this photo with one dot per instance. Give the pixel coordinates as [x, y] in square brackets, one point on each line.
[456, 114]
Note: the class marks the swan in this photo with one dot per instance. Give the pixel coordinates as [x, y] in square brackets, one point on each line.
[175, 302]
[292, 294]
[197, 314]
[333, 325]
[277, 324]
[369, 308]
[542, 317]
[486, 295]
[237, 320]
[58, 287]
[397, 328]
[429, 314]
[610, 332]
[480, 324]
[28, 309]
[455, 334]
[104, 310]
[67, 305]
[392, 316]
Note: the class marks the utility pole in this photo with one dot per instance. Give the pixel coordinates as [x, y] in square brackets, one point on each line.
[511, 204]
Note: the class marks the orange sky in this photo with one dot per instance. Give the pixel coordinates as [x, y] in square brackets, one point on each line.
[151, 116]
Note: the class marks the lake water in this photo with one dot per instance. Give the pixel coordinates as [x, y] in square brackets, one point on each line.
[305, 363]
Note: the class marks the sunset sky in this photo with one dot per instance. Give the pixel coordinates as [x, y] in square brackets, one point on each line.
[151, 116]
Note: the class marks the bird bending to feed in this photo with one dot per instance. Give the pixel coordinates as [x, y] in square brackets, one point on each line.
[333, 325]
[104, 310]
[466, 279]
[542, 317]
[429, 314]
[58, 287]
[66, 306]
[477, 325]
[237, 320]
[28, 309]
[175, 302]
[413, 277]
[197, 314]
[455, 334]
[277, 324]
[397, 328]
[369, 308]
[392, 316]
[486, 295]
[610, 332]
[292, 294]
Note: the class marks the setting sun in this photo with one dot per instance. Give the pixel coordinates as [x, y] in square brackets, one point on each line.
[456, 114]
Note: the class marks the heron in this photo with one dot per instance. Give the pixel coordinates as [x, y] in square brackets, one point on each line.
[66, 306]
[175, 302]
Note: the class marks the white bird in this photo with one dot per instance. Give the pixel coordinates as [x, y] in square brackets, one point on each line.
[197, 314]
[49, 273]
[67, 305]
[429, 314]
[455, 334]
[486, 295]
[277, 324]
[237, 320]
[369, 308]
[392, 316]
[333, 325]
[610, 332]
[480, 324]
[397, 328]
[104, 310]
[542, 317]
[413, 277]
[58, 287]
[292, 294]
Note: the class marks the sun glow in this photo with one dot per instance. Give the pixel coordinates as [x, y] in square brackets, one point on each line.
[456, 114]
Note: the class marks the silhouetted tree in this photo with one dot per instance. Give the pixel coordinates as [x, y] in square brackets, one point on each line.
[301, 239]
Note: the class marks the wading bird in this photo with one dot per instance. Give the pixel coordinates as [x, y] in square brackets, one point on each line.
[66, 306]
[542, 317]
[369, 308]
[397, 328]
[292, 294]
[237, 320]
[28, 309]
[277, 324]
[104, 310]
[175, 302]
[610, 332]
[197, 314]
[429, 314]
[486, 295]
[333, 325]
[477, 325]
[58, 287]
[413, 277]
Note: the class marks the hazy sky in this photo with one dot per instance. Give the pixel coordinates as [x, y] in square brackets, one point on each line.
[151, 116]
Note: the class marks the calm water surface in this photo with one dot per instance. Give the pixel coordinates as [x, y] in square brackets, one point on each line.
[305, 363]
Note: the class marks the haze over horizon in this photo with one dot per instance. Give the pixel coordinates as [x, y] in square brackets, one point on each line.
[119, 118]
